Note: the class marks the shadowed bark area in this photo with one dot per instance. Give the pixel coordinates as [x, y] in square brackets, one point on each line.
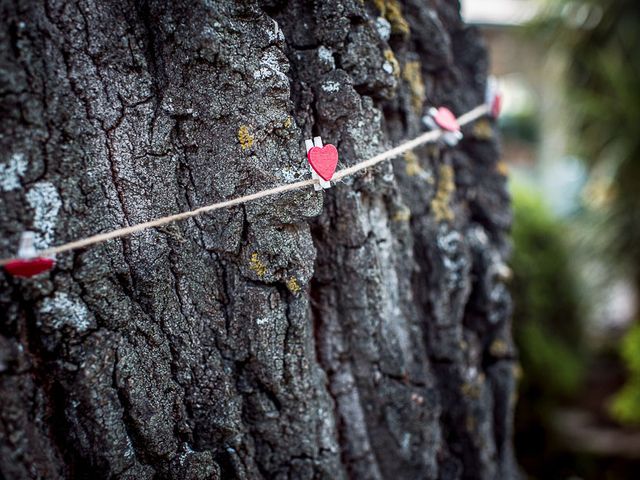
[361, 332]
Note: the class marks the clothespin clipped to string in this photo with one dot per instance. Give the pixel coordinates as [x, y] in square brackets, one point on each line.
[493, 97]
[28, 263]
[323, 160]
[442, 118]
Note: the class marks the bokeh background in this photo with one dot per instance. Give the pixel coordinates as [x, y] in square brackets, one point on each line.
[570, 73]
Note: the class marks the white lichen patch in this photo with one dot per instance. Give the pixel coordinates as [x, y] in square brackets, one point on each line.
[213, 31]
[384, 28]
[365, 133]
[394, 323]
[330, 87]
[187, 450]
[62, 309]
[12, 172]
[326, 57]
[289, 175]
[45, 201]
[276, 34]
[451, 244]
[129, 452]
[270, 67]
[387, 67]
[405, 444]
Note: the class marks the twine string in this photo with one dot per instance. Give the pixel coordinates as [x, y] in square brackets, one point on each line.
[394, 152]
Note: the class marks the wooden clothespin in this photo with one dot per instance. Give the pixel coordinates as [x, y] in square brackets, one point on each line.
[323, 160]
[443, 119]
[493, 97]
[28, 263]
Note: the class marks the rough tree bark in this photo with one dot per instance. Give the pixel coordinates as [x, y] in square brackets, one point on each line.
[361, 332]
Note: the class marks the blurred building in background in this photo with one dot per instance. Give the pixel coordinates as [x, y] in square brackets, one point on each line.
[536, 127]
[572, 305]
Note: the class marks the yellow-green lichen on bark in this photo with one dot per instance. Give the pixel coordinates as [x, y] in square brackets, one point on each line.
[391, 10]
[412, 74]
[403, 214]
[244, 137]
[440, 205]
[256, 265]
[293, 285]
[502, 168]
[482, 130]
[393, 61]
[473, 388]
[498, 348]
[412, 167]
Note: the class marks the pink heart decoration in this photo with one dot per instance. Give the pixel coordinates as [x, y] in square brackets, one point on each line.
[496, 105]
[324, 160]
[446, 120]
[29, 268]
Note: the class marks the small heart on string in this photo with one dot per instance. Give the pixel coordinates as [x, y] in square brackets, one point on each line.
[324, 160]
[29, 268]
[496, 105]
[446, 120]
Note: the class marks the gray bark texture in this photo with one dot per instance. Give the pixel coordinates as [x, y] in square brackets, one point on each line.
[361, 332]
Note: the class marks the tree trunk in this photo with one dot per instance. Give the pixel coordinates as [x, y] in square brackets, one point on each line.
[361, 332]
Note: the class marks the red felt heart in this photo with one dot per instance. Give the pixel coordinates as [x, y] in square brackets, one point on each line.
[324, 160]
[446, 120]
[29, 268]
[496, 105]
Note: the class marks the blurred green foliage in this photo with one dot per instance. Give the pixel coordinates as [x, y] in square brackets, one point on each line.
[600, 39]
[522, 126]
[625, 406]
[547, 327]
[547, 308]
